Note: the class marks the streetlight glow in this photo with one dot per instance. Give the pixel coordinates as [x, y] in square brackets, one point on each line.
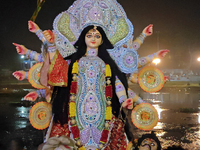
[156, 61]
[22, 56]
[198, 59]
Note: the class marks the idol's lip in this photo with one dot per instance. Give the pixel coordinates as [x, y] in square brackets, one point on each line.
[93, 42]
[147, 146]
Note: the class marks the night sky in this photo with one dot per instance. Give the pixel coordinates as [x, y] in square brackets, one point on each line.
[176, 25]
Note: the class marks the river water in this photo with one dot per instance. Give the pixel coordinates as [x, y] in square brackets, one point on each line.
[178, 110]
[179, 116]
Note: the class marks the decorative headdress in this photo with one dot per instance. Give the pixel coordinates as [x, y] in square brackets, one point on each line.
[107, 14]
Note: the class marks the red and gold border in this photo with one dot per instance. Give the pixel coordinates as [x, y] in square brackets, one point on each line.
[151, 79]
[144, 116]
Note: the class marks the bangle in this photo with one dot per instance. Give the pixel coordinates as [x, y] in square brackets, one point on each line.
[48, 44]
[122, 99]
[144, 35]
[40, 58]
[41, 93]
[139, 101]
[51, 49]
[27, 53]
[51, 46]
[38, 31]
[32, 55]
[38, 92]
[151, 57]
[26, 75]
[155, 55]
[40, 35]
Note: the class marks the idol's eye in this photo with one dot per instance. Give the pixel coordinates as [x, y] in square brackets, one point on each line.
[88, 35]
[98, 36]
[145, 141]
[152, 144]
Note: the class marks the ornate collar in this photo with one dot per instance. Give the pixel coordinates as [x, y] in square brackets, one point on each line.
[92, 52]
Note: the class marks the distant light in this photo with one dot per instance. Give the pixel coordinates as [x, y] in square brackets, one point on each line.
[199, 118]
[22, 56]
[156, 61]
[198, 59]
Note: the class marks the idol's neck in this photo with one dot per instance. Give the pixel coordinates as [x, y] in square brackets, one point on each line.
[92, 52]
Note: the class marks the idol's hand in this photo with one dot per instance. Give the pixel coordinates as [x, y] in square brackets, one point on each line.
[32, 96]
[161, 53]
[49, 36]
[128, 104]
[148, 30]
[19, 75]
[33, 27]
[21, 49]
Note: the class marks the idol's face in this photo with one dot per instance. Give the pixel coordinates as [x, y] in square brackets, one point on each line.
[93, 39]
[148, 144]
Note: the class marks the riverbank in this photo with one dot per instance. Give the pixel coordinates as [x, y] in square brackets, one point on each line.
[13, 86]
[181, 84]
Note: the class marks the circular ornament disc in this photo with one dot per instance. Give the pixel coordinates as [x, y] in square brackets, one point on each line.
[40, 115]
[34, 76]
[128, 61]
[151, 79]
[144, 116]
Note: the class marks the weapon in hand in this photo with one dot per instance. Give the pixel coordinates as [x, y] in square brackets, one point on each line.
[39, 5]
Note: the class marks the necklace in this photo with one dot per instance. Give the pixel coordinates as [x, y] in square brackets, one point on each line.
[72, 107]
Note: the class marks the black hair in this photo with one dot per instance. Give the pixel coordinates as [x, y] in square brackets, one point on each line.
[150, 136]
[62, 100]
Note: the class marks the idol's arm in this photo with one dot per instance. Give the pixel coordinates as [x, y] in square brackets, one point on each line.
[47, 37]
[33, 55]
[29, 54]
[143, 61]
[133, 99]
[140, 39]
[34, 28]
[136, 99]
[121, 94]
[120, 91]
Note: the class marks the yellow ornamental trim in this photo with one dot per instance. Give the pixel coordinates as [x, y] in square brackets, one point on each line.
[81, 148]
[75, 68]
[64, 27]
[108, 71]
[72, 109]
[108, 113]
[121, 31]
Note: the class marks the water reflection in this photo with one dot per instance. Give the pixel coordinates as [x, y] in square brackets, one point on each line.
[23, 111]
[159, 134]
[160, 125]
[199, 118]
[23, 114]
[179, 116]
[178, 111]
[159, 110]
